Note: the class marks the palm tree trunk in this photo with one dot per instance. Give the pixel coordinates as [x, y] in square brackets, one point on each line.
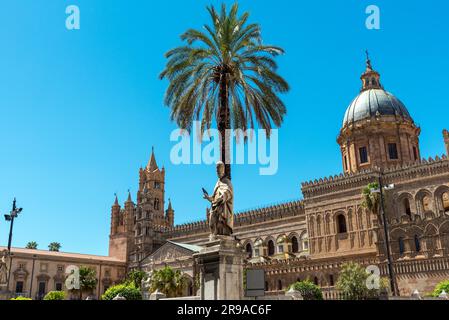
[224, 124]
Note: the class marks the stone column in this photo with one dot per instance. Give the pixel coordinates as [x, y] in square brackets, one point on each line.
[221, 269]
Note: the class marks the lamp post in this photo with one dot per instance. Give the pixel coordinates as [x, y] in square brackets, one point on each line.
[10, 217]
[386, 235]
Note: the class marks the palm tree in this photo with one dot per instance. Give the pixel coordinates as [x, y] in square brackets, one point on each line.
[54, 246]
[168, 281]
[371, 200]
[31, 245]
[227, 75]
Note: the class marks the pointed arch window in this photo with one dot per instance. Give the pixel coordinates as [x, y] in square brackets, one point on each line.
[156, 204]
[341, 224]
[401, 246]
[249, 250]
[407, 208]
[417, 244]
[295, 245]
[270, 248]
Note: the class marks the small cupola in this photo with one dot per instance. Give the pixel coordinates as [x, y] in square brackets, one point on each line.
[370, 78]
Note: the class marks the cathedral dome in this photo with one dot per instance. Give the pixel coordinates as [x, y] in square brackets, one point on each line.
[375, 102]
[377, 131]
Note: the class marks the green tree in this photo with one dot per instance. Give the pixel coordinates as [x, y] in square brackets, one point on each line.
[135, 277]
[308, 290]
[54, 246]
[88, 280]
[55, 295]
[129, 292]
[32, 245]
[225, 75]
[168, 281]
[371, 200]
[352, 282]
[444, 285]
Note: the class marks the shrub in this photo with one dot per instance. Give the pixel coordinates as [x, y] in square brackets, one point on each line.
[353, 283]
[444, 285]
[21, 298]
[308, 290]
[55, 295]
[129, 292]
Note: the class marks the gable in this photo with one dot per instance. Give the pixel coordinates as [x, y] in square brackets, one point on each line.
[169, 251]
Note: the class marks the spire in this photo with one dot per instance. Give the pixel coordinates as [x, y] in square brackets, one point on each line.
[129, 197]
[169, 205]
[116, 200]
[152, 165]
[370, 78]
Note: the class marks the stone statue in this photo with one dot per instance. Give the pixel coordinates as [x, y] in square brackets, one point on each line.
[3, 268]
[221, 214]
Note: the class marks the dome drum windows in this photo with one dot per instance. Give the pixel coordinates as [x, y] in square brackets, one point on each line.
[393, 151]
[363, 154]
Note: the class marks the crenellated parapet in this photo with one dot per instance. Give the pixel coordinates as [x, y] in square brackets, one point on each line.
[248, 217]
[342, 182]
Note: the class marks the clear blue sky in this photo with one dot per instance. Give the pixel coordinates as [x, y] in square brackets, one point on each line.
[80, 110]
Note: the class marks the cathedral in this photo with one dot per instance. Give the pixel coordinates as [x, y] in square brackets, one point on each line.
[313, 237]
[306, 239]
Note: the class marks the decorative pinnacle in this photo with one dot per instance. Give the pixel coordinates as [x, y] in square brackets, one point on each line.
[368, 61]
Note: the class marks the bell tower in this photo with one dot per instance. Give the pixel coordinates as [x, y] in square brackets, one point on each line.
[150, 220]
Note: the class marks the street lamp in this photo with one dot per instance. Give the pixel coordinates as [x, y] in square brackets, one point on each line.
[387, 237]
[10, 217]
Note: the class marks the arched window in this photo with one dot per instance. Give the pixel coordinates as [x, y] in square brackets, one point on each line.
[445, 200]
[426, 203]
[270, 248]
[315, 281]
[156, 204]
[417, 244]
[298, 279]
[266, 285]
[407, 209]
[295, 246]
[249, 250]
[331, 280]
[401, 246]
[138, 230]
[341, 224]
[279, 284]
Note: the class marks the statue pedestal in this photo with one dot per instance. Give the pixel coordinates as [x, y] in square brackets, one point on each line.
[221, 269]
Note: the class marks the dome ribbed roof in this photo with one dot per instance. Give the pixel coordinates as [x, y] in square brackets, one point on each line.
[375, 102]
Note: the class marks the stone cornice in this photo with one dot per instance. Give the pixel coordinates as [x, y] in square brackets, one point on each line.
[344, 182]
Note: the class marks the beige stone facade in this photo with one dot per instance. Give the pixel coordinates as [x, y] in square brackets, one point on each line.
[34, 273]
